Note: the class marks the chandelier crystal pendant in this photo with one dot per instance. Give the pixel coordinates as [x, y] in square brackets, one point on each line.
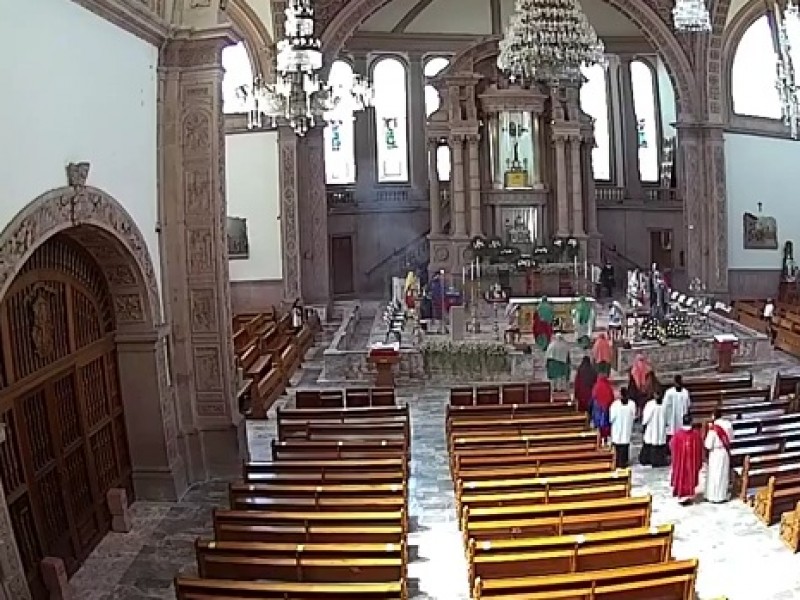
[786, 83]
[549, 41]
[691, 16]
[298, 95]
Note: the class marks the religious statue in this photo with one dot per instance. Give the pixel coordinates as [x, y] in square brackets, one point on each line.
[583, 319]
[634, 288]
[411, 291]
[616, 319]
[516, 175]
[543, 323]
[789, 270]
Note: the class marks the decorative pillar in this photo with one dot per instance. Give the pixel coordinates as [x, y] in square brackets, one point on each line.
[458, 194]
[475, 224]
[364, 139]
[195, 252]
[416, 122]
[312, 221]
[593, 248]
[577, 186]
[562, 202]
[433, 183]
[630, 137]
[288, 176]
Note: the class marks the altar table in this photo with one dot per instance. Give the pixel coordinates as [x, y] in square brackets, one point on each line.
[562, 307]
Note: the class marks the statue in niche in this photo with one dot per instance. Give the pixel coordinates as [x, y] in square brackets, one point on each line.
[789, 270]
[516, 175]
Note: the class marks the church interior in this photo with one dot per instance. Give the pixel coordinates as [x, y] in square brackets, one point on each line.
[346, 298]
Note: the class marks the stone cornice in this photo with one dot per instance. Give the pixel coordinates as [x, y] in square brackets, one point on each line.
[134, 17]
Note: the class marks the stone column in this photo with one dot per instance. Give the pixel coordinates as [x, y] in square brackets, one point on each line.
[289, 178]
[475, 218]
[195, 253]
[364, 138]
[562, 201]
[630, 136]
[459, 199]
[577, 186]
[416, 122]
[312, 220]
[591, 202]
[433, 184]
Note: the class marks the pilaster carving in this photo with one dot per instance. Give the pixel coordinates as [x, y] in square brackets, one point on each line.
[313, 220]
[290, 227]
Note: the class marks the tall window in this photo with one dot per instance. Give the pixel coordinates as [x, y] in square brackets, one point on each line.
[753, 73]
[340, 157]
[238, 72]
[443, 162]
[391, 113]
[594, 102]
[644, 105]
[434, 66]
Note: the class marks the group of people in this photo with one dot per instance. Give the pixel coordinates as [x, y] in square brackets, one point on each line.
[669, 435]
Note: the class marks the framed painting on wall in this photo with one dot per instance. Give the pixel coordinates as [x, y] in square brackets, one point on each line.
[238, 244]
[760, 233]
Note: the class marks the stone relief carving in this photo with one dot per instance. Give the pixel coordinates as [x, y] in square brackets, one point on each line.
[204, 318]
[291, 250]
[120, 275]
[43, 327]
[196, 132]
[128, 308]
[198, 191]
[207, 369]
[201, 259]
[77, 174]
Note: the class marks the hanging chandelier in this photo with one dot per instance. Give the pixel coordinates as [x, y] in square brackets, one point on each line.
[691, 16]
[298, 96]
[788, 36]
[548, 41]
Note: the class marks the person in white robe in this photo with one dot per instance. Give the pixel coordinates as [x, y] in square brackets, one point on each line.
[654, 420]
[718, 443]
[676, 405]
[622, 415]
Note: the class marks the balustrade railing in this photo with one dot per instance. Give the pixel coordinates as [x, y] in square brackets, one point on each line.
[612, 194]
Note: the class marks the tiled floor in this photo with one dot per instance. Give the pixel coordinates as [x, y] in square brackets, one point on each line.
[739, 557]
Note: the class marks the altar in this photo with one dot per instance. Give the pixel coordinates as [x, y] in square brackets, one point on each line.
[562, 307]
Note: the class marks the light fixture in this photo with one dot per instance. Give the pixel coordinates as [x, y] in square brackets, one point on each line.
[549, 41]
[691, 16]
[298, 96]
[788, 23]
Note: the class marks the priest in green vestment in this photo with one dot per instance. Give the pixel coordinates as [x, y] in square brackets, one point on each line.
[557, 357]
[583, 317]
[543, 323]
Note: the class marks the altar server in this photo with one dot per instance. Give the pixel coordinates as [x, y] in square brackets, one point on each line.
[686, 447]
[654, 420]
[718, 443]
[676, 405]
[602, 353]
[621, 415]
[557, 358]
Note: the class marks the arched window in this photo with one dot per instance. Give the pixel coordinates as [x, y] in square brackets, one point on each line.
[340, 157]
[238, 73]
[443, 162]
[753, 73]
[644, 105]
[432, 68]
[594, 102]
[391, 113]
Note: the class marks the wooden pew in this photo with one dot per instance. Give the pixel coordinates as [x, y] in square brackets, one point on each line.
[332, 450]
[672, 580]
[467, 426]
[535, 459]
[756, 470]
[535, 392]
[555, 519]
[785, 385]
[382, 470]
[365, 431]
[790, 528]
[546, 440]
[387, 527]
[346, 398]
[524, 482]
[781, 494]
[764, 444]
[319, 563]
[718, 382]
[589, 493]
[187, 588]
[509, 455]
[569, 554]
[602, 462]
[766, 424]
[331, 497]
[730, 396]
[509, 411]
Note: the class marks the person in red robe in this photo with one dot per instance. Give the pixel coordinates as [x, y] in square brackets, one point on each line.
[686, 447]
[602, 399]
[585, 378]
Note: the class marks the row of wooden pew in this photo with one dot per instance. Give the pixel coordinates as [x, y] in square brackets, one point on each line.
[785, 322]
[326, 518]
[544, 514]
[268, 352]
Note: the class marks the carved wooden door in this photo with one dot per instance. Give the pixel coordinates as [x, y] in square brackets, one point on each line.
[60, 400]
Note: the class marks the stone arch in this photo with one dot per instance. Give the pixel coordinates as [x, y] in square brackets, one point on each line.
[99, 224]
[257, 40]
[342, 26]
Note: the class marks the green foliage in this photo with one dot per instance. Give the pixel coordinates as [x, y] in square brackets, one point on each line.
[468, 359]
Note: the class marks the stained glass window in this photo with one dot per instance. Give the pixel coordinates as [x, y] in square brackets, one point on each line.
[391, 113]
[340, 157]
[753, 73]
[238, 73]
[644, 105]
[594, 102]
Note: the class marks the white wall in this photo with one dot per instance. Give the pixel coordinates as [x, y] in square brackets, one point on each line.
[76, 88]
[252, 189]
[760, 169]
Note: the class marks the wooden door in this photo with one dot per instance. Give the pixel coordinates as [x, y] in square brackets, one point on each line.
[342, 258]
[661, 248]
[60, 400]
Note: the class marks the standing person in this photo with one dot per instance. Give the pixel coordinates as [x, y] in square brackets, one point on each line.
[543, 323]
[621, 415]
[297, 316]
[607, 279]
[602, 399]
[603, 354]
[585, 378]
[686, 447]
[557, 357]
[767, 314]
[654, 420]
[676, 404]
[718, 443]
[583, 317]
[637, 382]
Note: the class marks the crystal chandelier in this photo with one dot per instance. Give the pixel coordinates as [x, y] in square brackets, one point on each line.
[298, 95]
[691, 16]
[549, 41]
[786, 84]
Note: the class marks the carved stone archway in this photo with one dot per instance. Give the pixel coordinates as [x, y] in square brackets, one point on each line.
[341, 24]
[107, 232]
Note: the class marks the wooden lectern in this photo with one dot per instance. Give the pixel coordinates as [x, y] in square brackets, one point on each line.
[725, 345]
[385, 357]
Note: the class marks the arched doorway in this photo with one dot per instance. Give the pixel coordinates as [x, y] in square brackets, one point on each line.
[60, 400]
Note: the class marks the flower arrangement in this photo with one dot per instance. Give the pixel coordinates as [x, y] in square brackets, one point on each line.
[465, 358]
[675, 327]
